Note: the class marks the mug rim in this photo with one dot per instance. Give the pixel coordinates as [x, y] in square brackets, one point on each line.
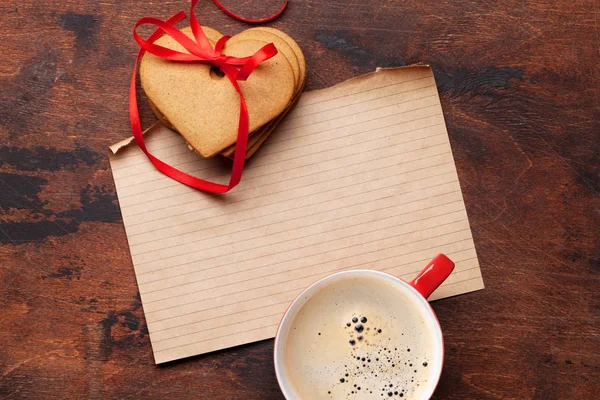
[380, 274]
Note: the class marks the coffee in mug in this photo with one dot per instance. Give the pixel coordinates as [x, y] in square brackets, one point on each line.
[359, 335]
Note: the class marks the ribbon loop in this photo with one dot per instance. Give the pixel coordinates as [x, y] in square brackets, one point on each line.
[221, 42]
[252, 21]
[200, 50]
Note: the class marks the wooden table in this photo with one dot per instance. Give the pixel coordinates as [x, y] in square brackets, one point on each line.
[519, 83]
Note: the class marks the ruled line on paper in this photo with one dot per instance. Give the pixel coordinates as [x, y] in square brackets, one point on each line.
[375, 134]
[448, 247]
[262, 165]
[188, 265]
[437, 149]
[266, 326]
[381, 250]
[267, 331]
[155, 297]
[189, 155]
[355, 93]
[384, 186]
[252, 176]
[354, 124]
[430, 96]
[324, 233]
[360, 175]
[328, 170]
[251, 294]
[308, 185]
[281, 306]
[367, 197]
[252, 167]
[235, 333]
[357, 224]
[185, 151]
[317, 264]
[278, 313]
[204, 319]
[178, 150]
[249, 215]
[194, 310]
[278, 147]
[276, 178]
[237, 218]
[253, 228]
[194, 199]
[385, 182]
[294, 291]
[303, 247]
[325, 110]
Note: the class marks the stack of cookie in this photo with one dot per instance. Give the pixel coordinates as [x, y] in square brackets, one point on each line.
[197, 101]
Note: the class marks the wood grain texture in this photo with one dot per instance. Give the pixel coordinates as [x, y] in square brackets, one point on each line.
[519, 82]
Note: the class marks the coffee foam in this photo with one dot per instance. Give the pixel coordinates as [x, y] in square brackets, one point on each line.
[360, 338]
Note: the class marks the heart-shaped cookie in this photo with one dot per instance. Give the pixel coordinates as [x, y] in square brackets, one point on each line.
[293, 53]
[203, 106]
[281, 45]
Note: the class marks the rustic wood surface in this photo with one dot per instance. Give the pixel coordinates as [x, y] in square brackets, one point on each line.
[520, 85]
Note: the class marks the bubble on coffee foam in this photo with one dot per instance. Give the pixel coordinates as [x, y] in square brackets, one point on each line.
[367, 361]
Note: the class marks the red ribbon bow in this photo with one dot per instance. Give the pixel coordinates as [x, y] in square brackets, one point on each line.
[200, 50]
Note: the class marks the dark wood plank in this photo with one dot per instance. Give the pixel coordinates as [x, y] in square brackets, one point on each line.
[519, 83]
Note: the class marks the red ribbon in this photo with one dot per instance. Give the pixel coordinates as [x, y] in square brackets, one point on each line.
[200, 50]
[252, 21]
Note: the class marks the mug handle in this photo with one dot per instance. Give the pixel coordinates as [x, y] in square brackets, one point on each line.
[433, 275]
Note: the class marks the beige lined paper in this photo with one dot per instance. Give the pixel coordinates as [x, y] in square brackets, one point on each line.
[359, 175]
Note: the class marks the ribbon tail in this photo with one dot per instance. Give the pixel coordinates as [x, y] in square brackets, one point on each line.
[242, 137]
[174, 173]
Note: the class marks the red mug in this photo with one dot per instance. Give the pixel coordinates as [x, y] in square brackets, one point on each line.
[411, 294]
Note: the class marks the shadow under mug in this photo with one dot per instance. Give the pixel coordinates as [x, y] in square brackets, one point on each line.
[417, 291]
